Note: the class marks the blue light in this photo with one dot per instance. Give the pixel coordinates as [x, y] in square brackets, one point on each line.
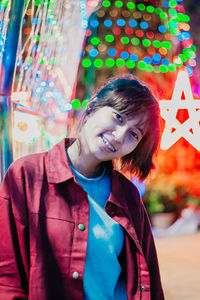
[147, 59]
[112, 52]
[165, 61]
[190, 70]
[94, 23]
[162, 28]
[93, 52]
[124, 55]
[144, 25]
[120, 22]
[133, 57]
[133, 23]
[184, 35]
[156, 57]
[34, 21]
[108, 23]
[155, 62]
[34, 48]
[49, 20]
[166, 4]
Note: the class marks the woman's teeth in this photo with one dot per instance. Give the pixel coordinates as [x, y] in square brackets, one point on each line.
[108, 144]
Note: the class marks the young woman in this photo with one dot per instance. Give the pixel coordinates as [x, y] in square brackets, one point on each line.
[73, 227]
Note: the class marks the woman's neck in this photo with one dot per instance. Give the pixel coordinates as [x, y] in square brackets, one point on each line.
[82, 161]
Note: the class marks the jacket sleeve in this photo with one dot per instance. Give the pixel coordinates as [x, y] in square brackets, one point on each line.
[13, 240]
[150, 254]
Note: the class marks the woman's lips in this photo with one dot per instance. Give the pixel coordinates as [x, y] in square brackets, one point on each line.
[107, 143]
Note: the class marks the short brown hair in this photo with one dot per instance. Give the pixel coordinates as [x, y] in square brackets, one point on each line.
[130, 96]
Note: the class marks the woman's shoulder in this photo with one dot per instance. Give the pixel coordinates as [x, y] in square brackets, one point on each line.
[127, 184]
[27, 164]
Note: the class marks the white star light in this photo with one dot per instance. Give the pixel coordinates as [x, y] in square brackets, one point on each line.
[190, 128]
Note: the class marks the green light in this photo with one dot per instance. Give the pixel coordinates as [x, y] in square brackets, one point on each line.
[173, 3]
[30, 60]
[172, 24]
[95, 41]
[174, 31]
[191, 54]
[158, 11]
[86, 62]
[5, 3]
[75, 103]
[156, 69]
[172, 12]
[193, 48]
[163, 69]
[84, 103]
[185, 18]
[146, 42]
[124, 40]
[135, 41]
[178, 64]
[141, 6]
[150, 9]
[98, 63]
[109, 38]
[120, 62]
[37, 2]
[119, 3]
[166, 44]
[106, 3]
[42, 130]
[156, 44]
[172, 67]
[163, 15]
[130, 64]
[110, 62]
[130, 5]
[183, 57]
[141, 65]
[52, 61]
[149, 68]
[42, 61]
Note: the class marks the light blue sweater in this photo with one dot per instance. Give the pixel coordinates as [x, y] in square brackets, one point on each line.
[105, 242]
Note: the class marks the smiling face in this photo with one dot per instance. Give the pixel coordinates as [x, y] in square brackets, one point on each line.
[107, 134]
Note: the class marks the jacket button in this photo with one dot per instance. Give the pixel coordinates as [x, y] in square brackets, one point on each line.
[143, 288]
[81, 227]
[75, 275]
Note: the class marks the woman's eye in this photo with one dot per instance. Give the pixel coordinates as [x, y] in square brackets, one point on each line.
[118, 117]
[134, 135]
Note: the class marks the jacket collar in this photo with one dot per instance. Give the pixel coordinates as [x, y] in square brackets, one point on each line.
[58, 168]
[58, 171]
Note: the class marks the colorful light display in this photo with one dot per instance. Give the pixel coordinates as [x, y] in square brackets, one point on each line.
[189, 127]
[147, 30]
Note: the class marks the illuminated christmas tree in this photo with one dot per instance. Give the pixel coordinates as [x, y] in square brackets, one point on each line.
[148, 38]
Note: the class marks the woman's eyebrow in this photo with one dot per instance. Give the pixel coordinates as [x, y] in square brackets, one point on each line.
[140, 130]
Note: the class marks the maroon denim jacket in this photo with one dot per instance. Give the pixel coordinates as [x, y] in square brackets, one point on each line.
[42, 245]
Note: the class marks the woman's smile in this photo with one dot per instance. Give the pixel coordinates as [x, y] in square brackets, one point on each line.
[107, 143]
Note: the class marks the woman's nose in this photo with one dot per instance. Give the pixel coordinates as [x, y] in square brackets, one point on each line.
[119, 134]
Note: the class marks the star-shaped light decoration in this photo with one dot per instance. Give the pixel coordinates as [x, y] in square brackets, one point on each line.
[174, 129]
